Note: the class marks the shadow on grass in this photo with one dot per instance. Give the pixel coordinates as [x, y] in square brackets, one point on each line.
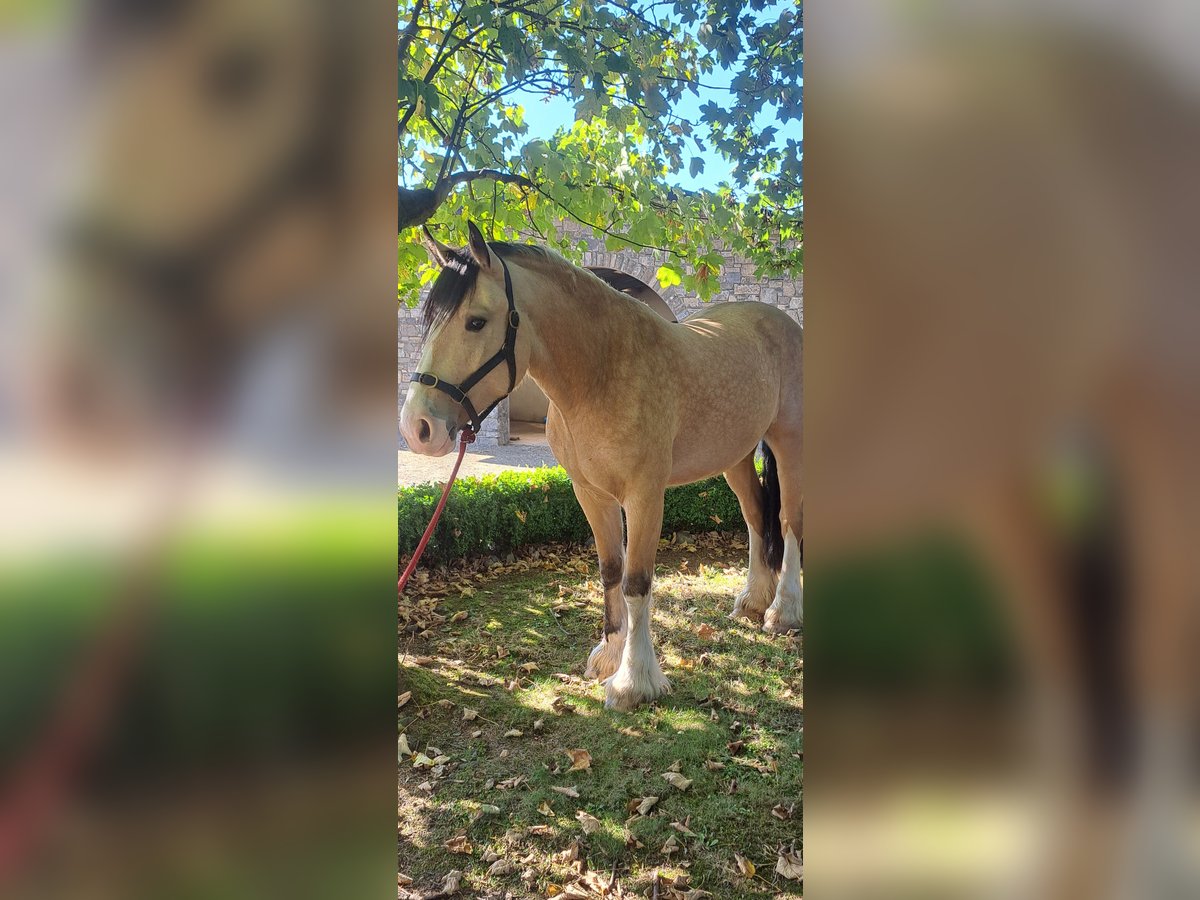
[516, 662]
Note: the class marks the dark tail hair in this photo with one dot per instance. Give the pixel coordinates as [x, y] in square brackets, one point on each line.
[772, 530]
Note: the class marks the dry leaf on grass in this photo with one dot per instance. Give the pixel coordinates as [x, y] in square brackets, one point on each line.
[677, 781]
[589, 822]
[403, 748]
[469, 714]
[450, 886]
[403, 880]
[459, 844]
[545, 810]
[671, 846]
[566, 791]
[790, 865]
[529, 667]
[744, 865]
[580, 759]
[645, 805]
[403, 698]
[682, 827]
[458, 616]
[502, 867]
[706, 631]
[780, 811]
[514, 732]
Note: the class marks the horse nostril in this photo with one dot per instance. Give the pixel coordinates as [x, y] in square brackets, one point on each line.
[425, 432]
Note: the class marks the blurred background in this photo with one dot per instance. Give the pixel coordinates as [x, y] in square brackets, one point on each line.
[1002, 422]
[197, 438]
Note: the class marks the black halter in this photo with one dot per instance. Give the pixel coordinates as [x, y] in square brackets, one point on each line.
[507, 353]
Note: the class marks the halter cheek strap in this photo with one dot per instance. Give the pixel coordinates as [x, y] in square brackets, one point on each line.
[507, 353]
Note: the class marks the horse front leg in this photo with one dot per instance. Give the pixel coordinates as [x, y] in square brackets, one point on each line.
[603, 513]
[639, 678]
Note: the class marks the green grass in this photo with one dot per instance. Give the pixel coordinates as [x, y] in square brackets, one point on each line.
[739, 684]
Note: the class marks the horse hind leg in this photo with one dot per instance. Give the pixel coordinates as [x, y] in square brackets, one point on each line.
[786, 612]
[759, 592]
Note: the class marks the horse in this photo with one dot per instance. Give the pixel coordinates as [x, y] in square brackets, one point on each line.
[637, 403]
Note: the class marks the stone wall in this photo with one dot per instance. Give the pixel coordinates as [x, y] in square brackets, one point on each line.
[737, 283]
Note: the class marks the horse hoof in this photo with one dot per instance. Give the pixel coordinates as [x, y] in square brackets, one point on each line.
[752, 605]
[625, 694]
[604, 661]
[776, 625]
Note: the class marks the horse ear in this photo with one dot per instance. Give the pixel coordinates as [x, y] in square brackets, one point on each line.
[437, 251]
[478, 246]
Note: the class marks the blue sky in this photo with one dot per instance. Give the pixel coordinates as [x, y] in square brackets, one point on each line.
[545, 115]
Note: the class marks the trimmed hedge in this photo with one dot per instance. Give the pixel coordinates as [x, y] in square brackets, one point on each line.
[495, 514]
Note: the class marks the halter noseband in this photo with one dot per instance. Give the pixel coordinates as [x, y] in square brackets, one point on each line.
[507, 353]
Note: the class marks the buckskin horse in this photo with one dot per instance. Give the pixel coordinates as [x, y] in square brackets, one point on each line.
[636, 404]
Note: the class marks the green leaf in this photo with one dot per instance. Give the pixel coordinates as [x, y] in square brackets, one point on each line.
[668, 276]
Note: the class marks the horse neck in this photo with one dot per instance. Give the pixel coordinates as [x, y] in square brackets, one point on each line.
[576, 329]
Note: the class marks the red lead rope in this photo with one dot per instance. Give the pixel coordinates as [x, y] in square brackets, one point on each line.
[468, 437]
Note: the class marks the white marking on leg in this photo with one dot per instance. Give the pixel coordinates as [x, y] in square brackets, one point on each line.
[639, 677]
[759, 592]
[787, 612]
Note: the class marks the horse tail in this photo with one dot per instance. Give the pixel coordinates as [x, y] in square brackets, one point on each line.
[772, 530]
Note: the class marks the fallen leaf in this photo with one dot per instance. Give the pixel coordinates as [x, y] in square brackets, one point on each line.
[744, 865]
[545, 810]
[403, 880]
[646, 805]
[502, 867]
[569, 855]
[580, 759]
[780, 811]
[422, 761]
[458, 616]
[521, 514]
[566, 791]
[404, 749]
[713, 766]
[676, 766]
[790, 865]
[450, 885]
[469, 714]
[529, 667]
[682, 828]
[706, 631]
[671, 846]
[459, 844]
[514, 732]
[403, 698]
[590, 823]
[677, 780]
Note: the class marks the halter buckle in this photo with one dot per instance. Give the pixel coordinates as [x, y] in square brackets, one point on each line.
[428, 379]
[514, 319]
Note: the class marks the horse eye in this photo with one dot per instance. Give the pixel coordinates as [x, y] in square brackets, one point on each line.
[235, 75]
[475, 323]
